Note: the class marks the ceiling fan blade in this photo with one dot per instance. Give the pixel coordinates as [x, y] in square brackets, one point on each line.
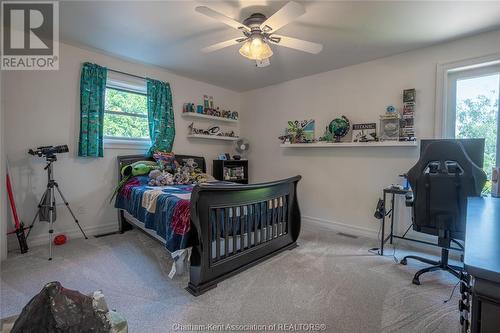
[297, 44]
[262, 63]
[221, 18]
[222, 45]
[282, 17]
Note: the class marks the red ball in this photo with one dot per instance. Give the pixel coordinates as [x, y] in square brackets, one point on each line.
[60, 239]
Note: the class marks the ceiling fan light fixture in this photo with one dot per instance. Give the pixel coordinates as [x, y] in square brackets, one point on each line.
[256, 49]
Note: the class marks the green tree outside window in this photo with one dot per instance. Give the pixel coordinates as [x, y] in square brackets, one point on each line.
[477, 118]
[125, 114]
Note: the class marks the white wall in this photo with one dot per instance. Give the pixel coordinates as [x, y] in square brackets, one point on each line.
[341, 186]
[42, 108]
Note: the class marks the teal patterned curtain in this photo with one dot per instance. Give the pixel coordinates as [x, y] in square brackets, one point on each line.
[92, 93]
[160, 116]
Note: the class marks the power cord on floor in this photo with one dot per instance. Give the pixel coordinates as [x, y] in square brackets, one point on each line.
[452, 292]
[396, 260]
[376, 250]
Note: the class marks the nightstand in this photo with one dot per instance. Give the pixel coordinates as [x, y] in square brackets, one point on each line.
[231, 170]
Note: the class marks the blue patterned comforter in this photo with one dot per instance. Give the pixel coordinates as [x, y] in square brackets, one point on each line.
[162, 209]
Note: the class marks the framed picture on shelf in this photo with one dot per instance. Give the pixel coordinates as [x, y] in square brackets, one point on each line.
[303, 129]
[409, 96]
[364, 132]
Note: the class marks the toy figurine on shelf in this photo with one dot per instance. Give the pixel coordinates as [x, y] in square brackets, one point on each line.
[208, 105]
[208, 108]
[217, 112]
[287, 138]
[328, 136]
[188, 107]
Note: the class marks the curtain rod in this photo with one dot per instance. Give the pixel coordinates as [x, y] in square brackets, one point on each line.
[120, 72]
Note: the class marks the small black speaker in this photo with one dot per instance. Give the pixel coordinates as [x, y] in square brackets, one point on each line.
[380, 210]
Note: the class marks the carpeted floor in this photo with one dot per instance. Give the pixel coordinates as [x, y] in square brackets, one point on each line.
[329, 279]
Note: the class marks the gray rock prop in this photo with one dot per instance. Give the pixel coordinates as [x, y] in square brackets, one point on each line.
[56, 309]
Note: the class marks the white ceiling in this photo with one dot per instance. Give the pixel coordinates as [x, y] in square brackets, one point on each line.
[170, 34]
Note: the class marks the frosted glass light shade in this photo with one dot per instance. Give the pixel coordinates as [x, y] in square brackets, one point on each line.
[256, 49]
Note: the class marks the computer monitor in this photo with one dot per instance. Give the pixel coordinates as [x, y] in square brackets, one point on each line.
[473, 147]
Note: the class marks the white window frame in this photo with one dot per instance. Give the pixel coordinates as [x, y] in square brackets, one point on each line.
[444, 122]
[455, 76]
[130, 84]
[447, 77]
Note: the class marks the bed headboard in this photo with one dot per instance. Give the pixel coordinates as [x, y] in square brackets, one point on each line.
[129, 159]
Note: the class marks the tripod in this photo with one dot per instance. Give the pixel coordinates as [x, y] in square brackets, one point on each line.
[47, 205]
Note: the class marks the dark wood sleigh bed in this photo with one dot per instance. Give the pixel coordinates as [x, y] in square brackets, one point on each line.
[234, 226]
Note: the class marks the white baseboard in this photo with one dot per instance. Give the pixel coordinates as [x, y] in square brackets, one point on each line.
[42, 239]
[341, 227]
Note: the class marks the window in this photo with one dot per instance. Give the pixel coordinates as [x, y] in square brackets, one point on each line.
[126, 111]
[473, 108]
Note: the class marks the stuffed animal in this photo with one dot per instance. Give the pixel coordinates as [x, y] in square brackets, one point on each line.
[138, 168]
[160, 178]
[187, 173]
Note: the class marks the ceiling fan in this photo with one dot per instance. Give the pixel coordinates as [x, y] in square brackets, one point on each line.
[259, 31]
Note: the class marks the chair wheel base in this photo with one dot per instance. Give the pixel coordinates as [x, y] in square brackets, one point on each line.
[435, 266]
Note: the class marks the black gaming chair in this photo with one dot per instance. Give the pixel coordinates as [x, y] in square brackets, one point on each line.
[441, 183]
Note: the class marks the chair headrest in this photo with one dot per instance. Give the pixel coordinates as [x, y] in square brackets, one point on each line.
[446, 151]
[447, 157]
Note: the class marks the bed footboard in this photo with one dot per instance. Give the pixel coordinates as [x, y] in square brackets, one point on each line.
[238, 226]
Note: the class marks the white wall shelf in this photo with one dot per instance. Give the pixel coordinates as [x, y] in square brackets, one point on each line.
[213, 137]
[350, 144]
[206, 116]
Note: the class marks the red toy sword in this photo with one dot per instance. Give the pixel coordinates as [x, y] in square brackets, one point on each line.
[19, 231]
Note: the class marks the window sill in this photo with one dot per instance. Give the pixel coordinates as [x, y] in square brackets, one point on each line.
[126, 144]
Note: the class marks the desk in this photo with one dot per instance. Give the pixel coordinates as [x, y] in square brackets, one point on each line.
[482, 238]
[480, 289]
[392, 192]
